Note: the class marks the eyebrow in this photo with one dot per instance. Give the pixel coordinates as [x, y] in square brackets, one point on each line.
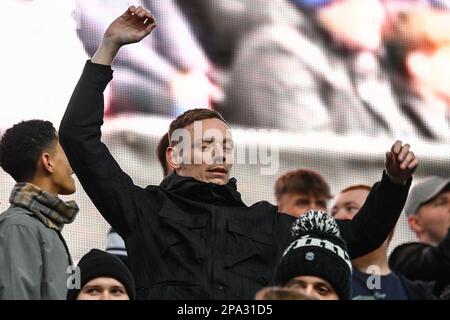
[318, 283]
[302, 201]
[91, 287]
[323, 283]
[439, 197]
[350, 203]
[295, 281]
[118, 288]
[212, 139]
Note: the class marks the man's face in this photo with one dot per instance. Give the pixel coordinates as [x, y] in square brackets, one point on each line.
[103, 289]
[348, 203]
[433, 218]
[209, 154]
[313, 287]
[62, 172]
[354, 23]
[296, 204]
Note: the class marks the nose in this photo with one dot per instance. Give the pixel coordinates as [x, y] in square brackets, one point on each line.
[219, 154]
[309, 291]
[104, 295]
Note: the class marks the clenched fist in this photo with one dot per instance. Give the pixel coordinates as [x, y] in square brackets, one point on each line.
[400, 162]
[132, 26]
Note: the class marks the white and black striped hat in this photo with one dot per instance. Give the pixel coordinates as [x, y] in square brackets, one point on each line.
[317, 250]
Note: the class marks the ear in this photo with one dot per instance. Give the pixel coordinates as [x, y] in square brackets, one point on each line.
[417, 64]
[173, 158]
[279, 202]
[414, 224]
[45, 161]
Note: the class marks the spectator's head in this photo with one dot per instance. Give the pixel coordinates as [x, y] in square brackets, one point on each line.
[418, 42]
[354, 23]
[301, 190]
[30, 152]
[316, 263]
[103, 277]
[201, 146]
[161, 153]
[428, 209]
[346, 205]
[348, 202]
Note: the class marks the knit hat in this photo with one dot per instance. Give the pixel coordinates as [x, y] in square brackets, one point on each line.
[317, 250]
[423, 192]
[99, 264]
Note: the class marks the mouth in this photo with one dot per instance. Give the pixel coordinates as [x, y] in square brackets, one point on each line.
[218, 170]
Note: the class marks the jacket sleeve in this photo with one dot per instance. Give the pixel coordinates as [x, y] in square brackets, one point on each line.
[20, 264]
[283, 237]
[418, 290]
[376, 219]
[423, 262]
[111, 190]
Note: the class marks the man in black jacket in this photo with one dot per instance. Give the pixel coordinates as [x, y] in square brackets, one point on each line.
[192, 237]
[428, 212]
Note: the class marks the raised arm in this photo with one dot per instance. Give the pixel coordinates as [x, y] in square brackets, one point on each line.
[371, 226]
[110, 189]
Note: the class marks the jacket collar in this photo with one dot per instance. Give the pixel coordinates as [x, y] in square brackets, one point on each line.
[195, 190]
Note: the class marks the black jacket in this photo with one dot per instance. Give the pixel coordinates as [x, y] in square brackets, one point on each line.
[421, 261]
[187, 239]
[417, 290]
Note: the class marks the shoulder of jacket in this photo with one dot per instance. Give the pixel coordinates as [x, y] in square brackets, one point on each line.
[409, 247]
[151, 188]
[264, 204]
[17, 216]
[405, 253]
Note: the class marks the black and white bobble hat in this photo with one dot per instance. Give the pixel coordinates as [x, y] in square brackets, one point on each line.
[317, 250]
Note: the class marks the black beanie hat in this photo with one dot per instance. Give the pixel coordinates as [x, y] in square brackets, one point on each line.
[97, 264]
[317, 250]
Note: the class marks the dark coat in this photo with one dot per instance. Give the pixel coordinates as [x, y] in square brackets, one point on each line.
[418, 290]
[34, 259]
[421, 261]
